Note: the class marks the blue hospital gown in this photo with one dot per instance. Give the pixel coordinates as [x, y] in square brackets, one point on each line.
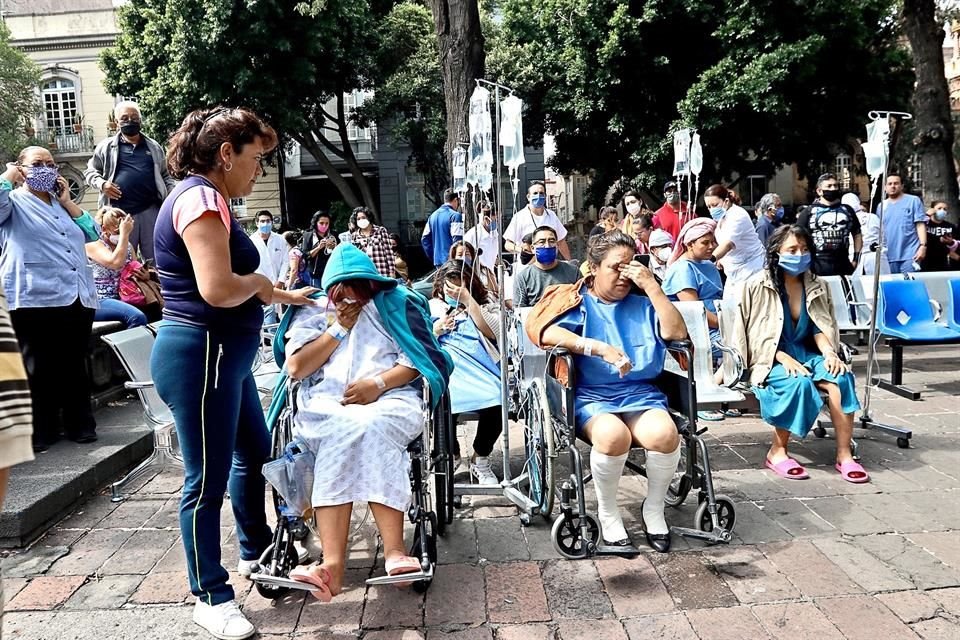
[631, 326]
[704, 278]
[793, 403]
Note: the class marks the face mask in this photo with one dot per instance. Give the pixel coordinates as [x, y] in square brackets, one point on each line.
[266, 227]
[493, 225]
[672, 197]
[451, 302]
[546, 255]
[468, 261]
[42, 179]
[717, 212]
[130, 129]
[538, 201]
[115, 239]
[831, 195]
[663, 254]
[322, 228]
[363, 223]
[939, 215]
[633, 208]
[525, 258]
[778, 214]
[794, 264]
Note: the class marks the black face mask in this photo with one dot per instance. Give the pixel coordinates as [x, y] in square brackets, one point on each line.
[831, 195]
[525, 258]
[130, 128]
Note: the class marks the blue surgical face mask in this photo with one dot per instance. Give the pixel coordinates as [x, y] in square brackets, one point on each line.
[778, 214]
[467, 260]
[451, 302]
[266, 227]
[493, 226]
[717, 212]
[939, 215]
[546, 255]
[538, 201]
[794, 264]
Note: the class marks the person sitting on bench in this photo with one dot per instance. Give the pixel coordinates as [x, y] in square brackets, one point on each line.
[785, 328]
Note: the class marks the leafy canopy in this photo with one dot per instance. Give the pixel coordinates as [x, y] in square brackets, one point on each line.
[19, 77]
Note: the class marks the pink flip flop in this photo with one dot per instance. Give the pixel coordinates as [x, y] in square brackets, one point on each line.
[788, 469]
[852, 471]
[319, 578]
[400, 565]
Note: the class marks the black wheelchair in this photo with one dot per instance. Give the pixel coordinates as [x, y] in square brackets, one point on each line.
[549, 410]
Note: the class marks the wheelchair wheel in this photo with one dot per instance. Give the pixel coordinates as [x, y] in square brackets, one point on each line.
[443, 466]
[539, 448]
[279, 559]
[726, 515]
[568, 539]
[681, 483]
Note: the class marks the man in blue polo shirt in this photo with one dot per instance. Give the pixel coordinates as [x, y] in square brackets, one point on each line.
[130, 172]
[904, 227]
[444, 227]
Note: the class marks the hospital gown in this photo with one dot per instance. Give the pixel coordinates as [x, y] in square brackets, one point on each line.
[361, 450]
[631, 326]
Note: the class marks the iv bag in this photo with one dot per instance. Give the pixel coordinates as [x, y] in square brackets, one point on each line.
[459, 170]
[876, 148]
[681, 152]
[511, 133]
[480, 163]
[696, 155]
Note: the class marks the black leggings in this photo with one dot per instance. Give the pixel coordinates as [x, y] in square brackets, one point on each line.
[489, 427]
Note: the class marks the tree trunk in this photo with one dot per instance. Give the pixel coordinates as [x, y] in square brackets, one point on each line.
[931, 104]
[309, 142]
[462, 61]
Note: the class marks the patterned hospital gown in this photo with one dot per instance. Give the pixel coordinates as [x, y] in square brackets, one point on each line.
[361, 450]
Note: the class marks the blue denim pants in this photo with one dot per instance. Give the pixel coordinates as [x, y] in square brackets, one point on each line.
[205, 379]
[112, 309]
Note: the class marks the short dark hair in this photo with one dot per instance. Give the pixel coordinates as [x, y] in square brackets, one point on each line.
[195, 146]
[544, 228]
[823, 178]
[450, 195]
[481, 204]
[895, 174]
[536, 183]
[264, 212]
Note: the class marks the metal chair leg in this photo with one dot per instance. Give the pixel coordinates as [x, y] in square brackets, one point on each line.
[162, 456]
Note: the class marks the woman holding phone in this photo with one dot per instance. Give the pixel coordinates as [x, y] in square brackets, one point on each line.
[317, 245]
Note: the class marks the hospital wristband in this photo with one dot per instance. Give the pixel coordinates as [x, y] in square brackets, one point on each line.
[337, 331]
[380, 383]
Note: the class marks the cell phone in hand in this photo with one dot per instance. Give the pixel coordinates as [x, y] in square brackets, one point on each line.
[643, 259]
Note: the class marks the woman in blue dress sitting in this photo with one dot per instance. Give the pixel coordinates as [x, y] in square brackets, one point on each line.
[786, 330]
[467, 325]
[609, 321]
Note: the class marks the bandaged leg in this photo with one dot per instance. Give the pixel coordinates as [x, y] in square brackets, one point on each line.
[606, 478]
[660, 470]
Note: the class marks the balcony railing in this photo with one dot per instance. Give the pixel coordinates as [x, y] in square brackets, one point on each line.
[70, 139]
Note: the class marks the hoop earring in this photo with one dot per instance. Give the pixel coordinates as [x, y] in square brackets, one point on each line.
[228, 167]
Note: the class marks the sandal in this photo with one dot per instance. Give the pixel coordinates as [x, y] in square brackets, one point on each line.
[852, 471]
[732, 413]
[710, 416]
[400, 565]
[319, 578]
[789, 469]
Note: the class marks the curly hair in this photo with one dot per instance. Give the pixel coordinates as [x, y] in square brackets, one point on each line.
[773, 253]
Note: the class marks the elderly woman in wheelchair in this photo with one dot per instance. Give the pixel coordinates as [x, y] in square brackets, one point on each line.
[358, 354]
[609, 322]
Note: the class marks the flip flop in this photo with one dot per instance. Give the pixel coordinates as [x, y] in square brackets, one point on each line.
[399, 566]
[320, 579]
[732, 413]
[788, 469]
[710, 416]
[852, 471]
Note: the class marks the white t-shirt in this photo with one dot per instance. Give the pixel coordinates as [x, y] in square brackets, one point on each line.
[274, 256]
[525, 222]
[748, 255]
[480, 238]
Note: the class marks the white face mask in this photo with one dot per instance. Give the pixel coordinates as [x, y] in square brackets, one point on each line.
[633, 208]
[363, 223]
[663, 253]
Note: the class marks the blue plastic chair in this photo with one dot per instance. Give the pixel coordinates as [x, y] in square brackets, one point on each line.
[953, 320]
[905, 313]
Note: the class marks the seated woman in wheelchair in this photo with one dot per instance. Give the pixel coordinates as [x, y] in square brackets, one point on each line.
[359, 353]
[786, 330]
[612, 330]
[468, 326]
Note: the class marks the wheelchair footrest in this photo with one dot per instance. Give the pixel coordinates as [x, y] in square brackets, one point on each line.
[715, 536]
[610, 550]
[278, 581]
[415, 576]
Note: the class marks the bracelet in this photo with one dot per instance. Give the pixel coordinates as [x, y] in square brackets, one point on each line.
[380, 383]
[337, 331]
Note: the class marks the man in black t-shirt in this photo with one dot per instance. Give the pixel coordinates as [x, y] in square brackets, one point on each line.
[831, 224]
[938, 255]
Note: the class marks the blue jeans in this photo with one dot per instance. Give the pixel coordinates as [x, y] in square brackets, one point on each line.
[113, 309]
[902, 266]
[205, 379]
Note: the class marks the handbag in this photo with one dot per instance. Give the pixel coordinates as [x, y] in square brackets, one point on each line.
[129, 290]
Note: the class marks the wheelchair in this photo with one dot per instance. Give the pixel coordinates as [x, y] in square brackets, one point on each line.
[549, 411]
[431, 481]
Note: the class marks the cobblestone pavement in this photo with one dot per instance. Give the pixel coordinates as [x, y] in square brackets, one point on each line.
[811, 559]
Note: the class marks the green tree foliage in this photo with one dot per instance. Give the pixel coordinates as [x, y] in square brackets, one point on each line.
[18, 83]
[766, 82]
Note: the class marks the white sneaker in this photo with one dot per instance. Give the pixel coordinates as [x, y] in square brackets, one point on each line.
[224, 621]
[247, 568]
[481, 470]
